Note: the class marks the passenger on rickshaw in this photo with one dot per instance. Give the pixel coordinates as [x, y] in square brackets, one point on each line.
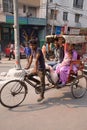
[48, 50]
[58, 52]
[44, 50]
[63, 68]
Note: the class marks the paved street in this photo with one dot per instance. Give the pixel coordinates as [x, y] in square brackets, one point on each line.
[58, 111]
[5, 64]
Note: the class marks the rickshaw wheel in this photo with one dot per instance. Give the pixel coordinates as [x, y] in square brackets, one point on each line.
[79, 87]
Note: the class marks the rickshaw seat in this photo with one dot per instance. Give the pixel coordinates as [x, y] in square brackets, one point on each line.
[72, 74]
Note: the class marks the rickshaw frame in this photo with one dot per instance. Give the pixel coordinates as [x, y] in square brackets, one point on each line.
[20, 87]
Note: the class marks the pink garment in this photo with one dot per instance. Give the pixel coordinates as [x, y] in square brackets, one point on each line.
[63, 69]
[65, 63]
[74, 57]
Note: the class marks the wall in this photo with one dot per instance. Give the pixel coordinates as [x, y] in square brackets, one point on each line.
[71, 15]
[30, 2]
[42, 12]
[67, 6]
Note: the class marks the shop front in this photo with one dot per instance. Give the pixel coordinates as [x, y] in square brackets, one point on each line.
[28, 27]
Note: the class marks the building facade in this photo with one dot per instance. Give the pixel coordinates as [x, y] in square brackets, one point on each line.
[67, 16]
[42, 17]
[31, 24]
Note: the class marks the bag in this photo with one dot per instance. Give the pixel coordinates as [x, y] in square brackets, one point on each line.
[54, 76]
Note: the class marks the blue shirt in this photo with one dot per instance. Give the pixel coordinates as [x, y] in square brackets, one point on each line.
[27, 51]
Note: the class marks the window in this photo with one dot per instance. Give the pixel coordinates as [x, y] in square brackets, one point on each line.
[77, 16]
[24, 8]
[53, 14]
[8, 6]
[5, 5]
[78, 3]
[65, 16]
[31, 12]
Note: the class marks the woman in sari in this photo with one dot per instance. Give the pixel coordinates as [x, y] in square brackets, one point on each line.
[63, 69]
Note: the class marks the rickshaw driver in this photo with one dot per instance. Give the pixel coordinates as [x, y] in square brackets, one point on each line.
[39, 66]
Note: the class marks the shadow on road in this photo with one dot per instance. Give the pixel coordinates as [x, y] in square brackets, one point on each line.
[66, 100]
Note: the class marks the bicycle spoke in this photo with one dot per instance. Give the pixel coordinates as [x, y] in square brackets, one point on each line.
[12, 94]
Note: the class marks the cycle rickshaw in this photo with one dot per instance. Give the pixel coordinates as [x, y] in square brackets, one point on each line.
[14, 91]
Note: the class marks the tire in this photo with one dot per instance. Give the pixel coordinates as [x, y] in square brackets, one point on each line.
[13, 93]
[79, 87]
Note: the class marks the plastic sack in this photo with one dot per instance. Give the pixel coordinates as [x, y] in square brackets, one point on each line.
[48, 66]
[54, 76]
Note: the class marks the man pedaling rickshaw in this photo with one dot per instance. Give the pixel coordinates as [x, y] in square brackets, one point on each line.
[39, 66]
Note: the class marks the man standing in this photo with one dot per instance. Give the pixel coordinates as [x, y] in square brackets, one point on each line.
[39, 66]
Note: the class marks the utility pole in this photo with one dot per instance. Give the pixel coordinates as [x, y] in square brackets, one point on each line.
[46, 16]
[16, 35]
[52, 29]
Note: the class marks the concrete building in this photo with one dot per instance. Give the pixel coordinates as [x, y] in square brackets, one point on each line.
[41, 17]
[31, 23]
[68, 16]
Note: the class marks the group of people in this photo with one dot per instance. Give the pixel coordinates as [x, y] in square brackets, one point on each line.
[60, 64]
[61, 61]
